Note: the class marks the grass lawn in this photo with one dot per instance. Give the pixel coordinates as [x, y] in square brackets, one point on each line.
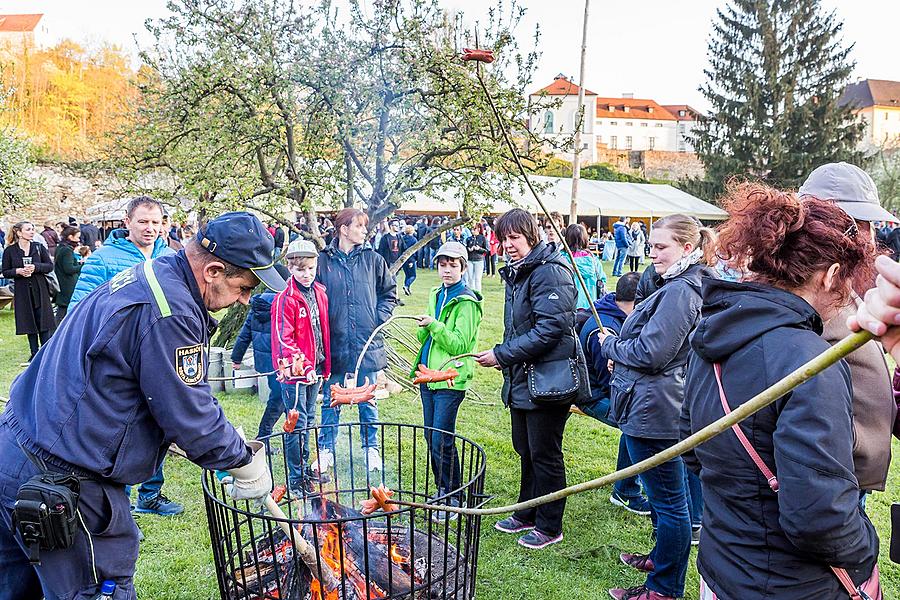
[176, 560]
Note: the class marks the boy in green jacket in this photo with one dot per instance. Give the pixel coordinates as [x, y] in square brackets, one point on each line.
[450, 329]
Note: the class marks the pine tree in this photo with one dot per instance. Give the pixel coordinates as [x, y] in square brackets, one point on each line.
[777, 69]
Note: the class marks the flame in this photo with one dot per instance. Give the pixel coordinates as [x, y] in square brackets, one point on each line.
[398, 556]
[331, 558]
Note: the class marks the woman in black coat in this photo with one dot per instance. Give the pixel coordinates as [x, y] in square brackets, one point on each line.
[778, 538]
[28, 264]
[67, 266]
[538, 319]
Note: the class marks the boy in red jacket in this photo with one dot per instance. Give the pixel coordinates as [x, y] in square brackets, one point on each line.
[301, 352]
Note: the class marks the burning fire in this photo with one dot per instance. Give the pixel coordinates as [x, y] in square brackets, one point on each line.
[354, 578]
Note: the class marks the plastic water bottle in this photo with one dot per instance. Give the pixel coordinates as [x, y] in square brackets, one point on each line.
[107, 589]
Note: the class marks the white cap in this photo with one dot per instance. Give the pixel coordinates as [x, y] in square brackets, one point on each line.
[848, 186]
[301, 248]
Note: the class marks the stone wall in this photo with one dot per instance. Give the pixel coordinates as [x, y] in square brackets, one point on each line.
[652, 164]
[63, 193]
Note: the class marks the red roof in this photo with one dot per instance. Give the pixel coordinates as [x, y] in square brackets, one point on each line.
[691, 114]
[562, 87]
[19, 23]
[637, 109]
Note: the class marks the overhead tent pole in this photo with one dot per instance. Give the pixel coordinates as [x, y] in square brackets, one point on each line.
[512, 150]
[579, 122]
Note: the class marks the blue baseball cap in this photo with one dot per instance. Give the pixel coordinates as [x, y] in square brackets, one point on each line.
[240, 239]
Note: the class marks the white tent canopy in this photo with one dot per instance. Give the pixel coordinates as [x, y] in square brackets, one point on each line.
[606, 198]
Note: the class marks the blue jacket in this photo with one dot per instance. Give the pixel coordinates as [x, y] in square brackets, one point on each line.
[612, 318]
[123, 377]
[257, 329]
[755, 543]
[620, 231]
[116, 255]
[362, 295]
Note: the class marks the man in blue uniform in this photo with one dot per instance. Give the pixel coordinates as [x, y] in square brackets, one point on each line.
[124, 377]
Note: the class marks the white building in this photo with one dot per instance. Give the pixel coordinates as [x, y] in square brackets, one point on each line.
[625, 123]
[22, 31]
[876, 103]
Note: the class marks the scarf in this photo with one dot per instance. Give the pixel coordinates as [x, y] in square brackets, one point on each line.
[683, 263]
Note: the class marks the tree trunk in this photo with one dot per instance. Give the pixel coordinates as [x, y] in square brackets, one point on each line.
[425, 239]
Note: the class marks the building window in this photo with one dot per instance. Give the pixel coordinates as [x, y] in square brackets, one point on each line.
[651, 143]
[643, 124]
[659, 124]
[613, 142]
[886, 115]
[628, 142]
[682, 113]
[613, 122]
[548, 122]
[628, 123]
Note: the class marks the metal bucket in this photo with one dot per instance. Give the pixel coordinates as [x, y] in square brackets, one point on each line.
[216, 360]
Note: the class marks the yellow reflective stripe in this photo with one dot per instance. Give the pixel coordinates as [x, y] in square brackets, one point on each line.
[158, 295]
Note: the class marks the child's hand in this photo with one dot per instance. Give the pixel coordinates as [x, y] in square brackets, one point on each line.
[425, 320]
[236, 366]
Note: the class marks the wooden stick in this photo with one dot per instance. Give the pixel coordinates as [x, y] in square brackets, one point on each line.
[758, 402]
[303, 548]
[365, 347]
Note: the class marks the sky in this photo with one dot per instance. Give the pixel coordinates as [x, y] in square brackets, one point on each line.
[650, 48]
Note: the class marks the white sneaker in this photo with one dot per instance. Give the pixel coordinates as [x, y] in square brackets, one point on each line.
[324, 461]
[373, 458]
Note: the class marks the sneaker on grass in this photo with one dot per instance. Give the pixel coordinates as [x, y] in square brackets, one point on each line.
[537, 540]
[638, 506]
[641, 562]
[637, 593]
[158, 505]
[512, 525]
[324, 461]
[373, 459]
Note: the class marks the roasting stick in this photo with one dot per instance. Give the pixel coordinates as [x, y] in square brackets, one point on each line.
[302, 547]
[480, 56]
[371, 338]
[766, 397]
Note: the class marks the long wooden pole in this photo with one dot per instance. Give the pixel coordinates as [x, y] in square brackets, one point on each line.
[752, 406]
[579, 122]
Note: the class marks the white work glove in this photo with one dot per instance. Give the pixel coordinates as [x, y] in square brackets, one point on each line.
[252, 481]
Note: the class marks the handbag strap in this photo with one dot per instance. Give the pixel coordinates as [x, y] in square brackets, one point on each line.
[748, 447]
[840, 573]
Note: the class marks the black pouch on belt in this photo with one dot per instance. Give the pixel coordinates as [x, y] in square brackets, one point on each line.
[45, 511]
[895, 532]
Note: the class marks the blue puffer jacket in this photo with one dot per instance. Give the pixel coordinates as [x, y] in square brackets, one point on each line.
[622, 236]
[257, 329]
[116, 255]
[362, 295]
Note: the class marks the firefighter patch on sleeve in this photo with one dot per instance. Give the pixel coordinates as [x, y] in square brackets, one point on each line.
[189, 363]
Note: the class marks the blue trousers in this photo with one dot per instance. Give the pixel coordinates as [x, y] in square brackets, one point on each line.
[439, 410]
[296, 444]
[664, 486]
[619, 262]
[409, 272]
[626, 488]
[152, 487]
[274, 408]
[694, 497]
[332, 416]
[66, 574]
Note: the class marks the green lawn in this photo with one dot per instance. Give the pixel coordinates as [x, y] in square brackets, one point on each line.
[176, 561]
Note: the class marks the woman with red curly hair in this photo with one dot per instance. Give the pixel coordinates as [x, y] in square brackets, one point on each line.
[781, 501]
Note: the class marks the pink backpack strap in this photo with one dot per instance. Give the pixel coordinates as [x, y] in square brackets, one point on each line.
[754, 455]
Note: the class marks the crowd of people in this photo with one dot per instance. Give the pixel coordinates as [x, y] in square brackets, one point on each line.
[777, 505]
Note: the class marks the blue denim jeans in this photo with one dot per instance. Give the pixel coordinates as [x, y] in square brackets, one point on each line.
[694, 497]
[150, 489]
[619, 262]
[296, 444]
[626, 488]
[664, 486]
[332, 416]
[439, 410]
[409, 272]
[274, 408]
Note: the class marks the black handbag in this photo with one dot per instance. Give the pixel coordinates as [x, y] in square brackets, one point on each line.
[559, 381]
[895, 533]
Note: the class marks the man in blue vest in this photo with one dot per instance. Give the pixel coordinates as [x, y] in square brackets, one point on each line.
[124, 377]
[139, 241]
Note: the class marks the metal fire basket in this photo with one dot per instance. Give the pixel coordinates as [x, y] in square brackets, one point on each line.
[410, 553]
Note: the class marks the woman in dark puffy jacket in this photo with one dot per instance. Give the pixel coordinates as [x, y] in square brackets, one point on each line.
[538, 323]
[802, 256]
[647, 389]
